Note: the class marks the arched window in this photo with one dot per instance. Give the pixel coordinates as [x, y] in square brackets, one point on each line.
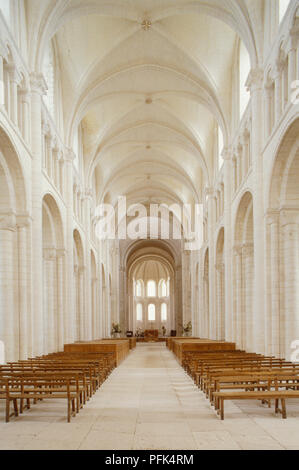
[139, 312]
[164, 312]
[283, 6]
[244, 69]
[138, 289]
[163, 288]
[151, 289]
[151, 312]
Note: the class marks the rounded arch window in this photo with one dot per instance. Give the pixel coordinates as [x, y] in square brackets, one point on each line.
[163, 288]
[139, 312]
[139, 288]
[151, 289]
[151, 312]
[164, 312]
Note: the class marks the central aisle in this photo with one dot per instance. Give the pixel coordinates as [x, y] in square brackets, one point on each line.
[150, 403]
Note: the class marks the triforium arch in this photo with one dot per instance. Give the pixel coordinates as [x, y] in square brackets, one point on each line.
[220, 286]
[79, 281]
[283, 247]
[53, 276]
[243, 269]
[15, 326]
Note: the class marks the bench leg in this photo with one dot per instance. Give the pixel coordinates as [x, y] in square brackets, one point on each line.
[69, 411]
[7, 410]
[283, 408]
[222, 409]
[276, 405]
[15, 405]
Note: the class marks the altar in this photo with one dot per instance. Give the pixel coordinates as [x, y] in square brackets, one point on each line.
[151, 335]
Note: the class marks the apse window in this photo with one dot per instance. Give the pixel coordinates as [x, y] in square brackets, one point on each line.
[139, 312]
[151, 289]
[163, 312]
[163, 288]
[138, 289]
[151, 312]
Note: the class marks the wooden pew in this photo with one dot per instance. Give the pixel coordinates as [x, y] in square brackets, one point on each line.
[276, 395]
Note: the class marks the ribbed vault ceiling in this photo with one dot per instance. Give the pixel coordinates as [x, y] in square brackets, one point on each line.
[149, 81]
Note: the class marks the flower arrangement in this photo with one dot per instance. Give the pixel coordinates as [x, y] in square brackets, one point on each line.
[139, 333]
[187, 328]
[115, 328]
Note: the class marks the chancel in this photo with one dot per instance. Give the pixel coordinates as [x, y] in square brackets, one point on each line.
[149, 224]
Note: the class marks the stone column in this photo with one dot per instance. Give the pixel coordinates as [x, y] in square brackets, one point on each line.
[2, 93]
[273, 313]
[268, 110]
[61, 306]
[23, 223]
[212, 281]
[292, 64]
[255, 85]
[50, 329]
[81, 275]
[278, 92]
[70, 313]
[87, 201]
[238, 317]
[227, 244]
[247, 323]
[38, 88]
[290, 226]
[219, 268]
[8, 327]
[13, 78]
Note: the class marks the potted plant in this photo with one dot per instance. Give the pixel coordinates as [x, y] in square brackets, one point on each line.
[116, 331]
[187, 329]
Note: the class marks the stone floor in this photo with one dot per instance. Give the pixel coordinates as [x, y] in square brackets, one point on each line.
[150, 403]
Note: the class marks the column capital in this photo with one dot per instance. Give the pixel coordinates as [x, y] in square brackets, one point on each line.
[255, 79]
[226, 153]
[38, 84]
[13, 73]
[49, 253]
[289, 216]
[237, 250]
[272, 216]
[23, 220]
[88, 194]
[60, 253]
[8, 222]
[247, 249]
[69, 155]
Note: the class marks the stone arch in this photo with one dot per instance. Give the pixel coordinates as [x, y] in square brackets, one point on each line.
[282, 233]
[54, 276]
[243, 267]
[14, 223]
